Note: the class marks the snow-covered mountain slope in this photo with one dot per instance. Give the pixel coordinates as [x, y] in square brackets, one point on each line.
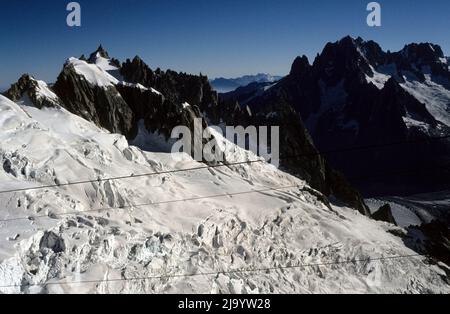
[431, 90]
[64, 245]
[434, 94]
[34, 92]
[422, 70]
[93, 73]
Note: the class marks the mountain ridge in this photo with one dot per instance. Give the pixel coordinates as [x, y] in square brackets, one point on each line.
[356, 94]
[222, 84]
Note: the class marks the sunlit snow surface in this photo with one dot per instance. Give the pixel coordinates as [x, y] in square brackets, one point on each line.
[380, 77]
[93, 73]
[43, 91]
[104, 63]
[434, 92]
[260, 230]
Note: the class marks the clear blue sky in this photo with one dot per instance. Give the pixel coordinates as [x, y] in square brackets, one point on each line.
[218, 38]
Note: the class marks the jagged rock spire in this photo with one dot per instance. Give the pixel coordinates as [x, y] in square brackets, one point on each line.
[17, 89]
[300, 65]
[99, 52]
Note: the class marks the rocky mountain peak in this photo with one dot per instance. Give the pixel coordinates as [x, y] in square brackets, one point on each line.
[25, 83]
[345, 58]
[137, 71]
[349, 41]
[137, 59]
[300, 66]
[423, 58]
[100, 52]
[373, 53]
[38, 92]
[426, 52]
[355, 49]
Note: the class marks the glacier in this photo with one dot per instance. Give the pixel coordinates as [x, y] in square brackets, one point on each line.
[97, 237]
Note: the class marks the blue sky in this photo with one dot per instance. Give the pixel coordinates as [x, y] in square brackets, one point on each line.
[218, 38]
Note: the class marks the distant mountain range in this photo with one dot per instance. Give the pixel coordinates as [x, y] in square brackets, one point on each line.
[224, 85]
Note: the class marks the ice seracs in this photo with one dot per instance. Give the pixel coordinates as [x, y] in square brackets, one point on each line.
[81, 250]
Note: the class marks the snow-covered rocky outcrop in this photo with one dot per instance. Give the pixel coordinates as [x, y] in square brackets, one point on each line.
[106, 236]
[33, 92]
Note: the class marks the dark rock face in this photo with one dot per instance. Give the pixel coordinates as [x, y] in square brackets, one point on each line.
[436, 242]
[384, 214]
[342, 110]
[414, 57]
[101, 52]
[52, 241]
[341, 60]
[27, 85]
[103, 106]
[298, 155]
[300, 66]
[136, 71]
[159, 114]
[176, 87]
